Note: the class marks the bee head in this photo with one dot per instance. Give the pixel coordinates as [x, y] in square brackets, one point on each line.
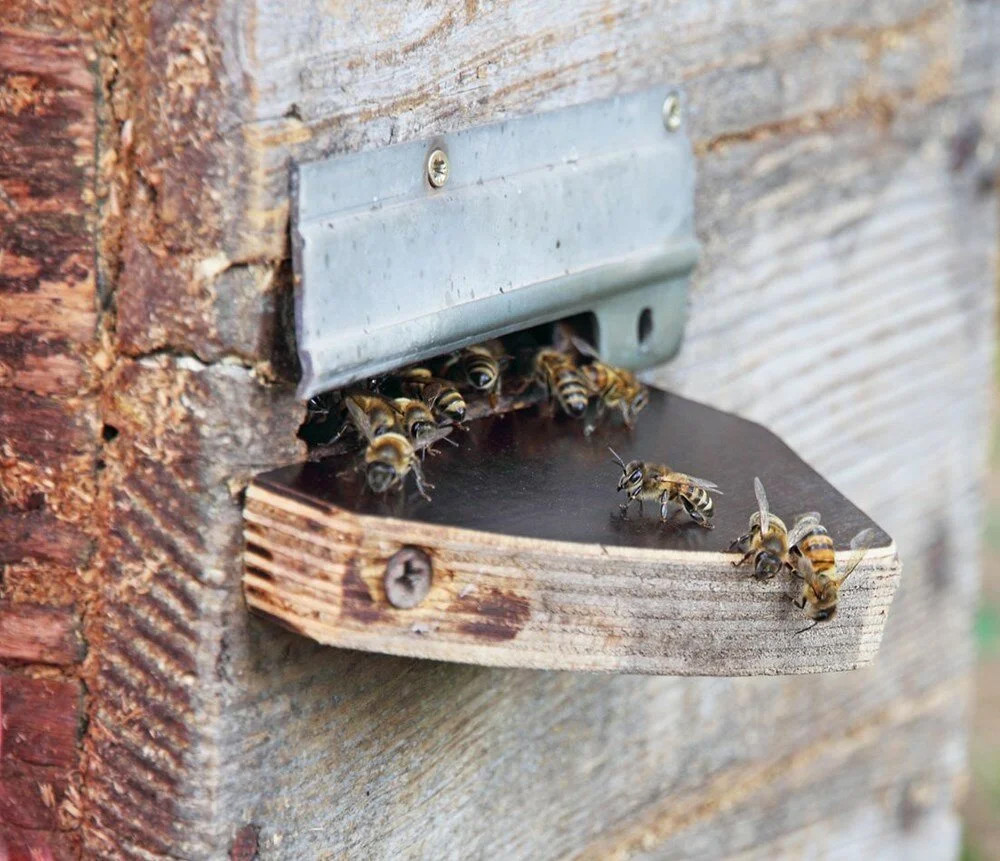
[632, 476]
[420, 429]
[381, 476]
[825, 614]
[767, 565]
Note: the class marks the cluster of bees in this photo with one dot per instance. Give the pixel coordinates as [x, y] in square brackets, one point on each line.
[806, 550]
[399, 417]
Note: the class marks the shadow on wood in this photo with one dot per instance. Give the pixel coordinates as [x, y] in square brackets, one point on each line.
[535, 566]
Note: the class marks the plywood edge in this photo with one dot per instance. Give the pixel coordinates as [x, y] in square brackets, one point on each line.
[502, 600]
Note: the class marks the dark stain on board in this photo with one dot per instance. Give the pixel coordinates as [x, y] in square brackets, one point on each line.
[501, 615]
[357, 602]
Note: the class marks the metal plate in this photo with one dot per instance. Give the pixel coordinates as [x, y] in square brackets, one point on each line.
[583, 209]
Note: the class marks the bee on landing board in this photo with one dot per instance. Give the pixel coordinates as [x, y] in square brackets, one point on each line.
[766, 541]
[815, 564]
[417, 420]
[389, 456]
[555, 372]
[479, 366]
[440, 395]
[659, 483]
[615, 388]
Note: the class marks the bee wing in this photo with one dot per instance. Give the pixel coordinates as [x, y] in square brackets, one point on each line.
[765, 514]
[803, 524]
[860, 544]
[359, 418]
[583, 347]
[683, 478]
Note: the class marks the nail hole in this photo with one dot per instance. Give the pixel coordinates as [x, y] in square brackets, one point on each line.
[645, 325]
[109, 432]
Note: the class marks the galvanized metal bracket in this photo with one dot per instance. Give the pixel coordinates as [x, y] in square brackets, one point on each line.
[420, 248]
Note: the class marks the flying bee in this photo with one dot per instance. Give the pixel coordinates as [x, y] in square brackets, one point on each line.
[440, 395]
[556, 373]
[659, 483]
[479, 366]
[389, 457]
[816, 565]
[616, 388]
[766, 541]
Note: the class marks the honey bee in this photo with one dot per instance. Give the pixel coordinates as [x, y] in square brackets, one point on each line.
[378, 412]
[389, 457]
[479, 367]
[813, 552]
[766, 541]
[440, 395]
[556, 373]
[416, 418]
[659, 483]
[615, 388]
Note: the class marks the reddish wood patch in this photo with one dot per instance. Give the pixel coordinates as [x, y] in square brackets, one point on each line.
[39, 720]
[245, 844]
[48, 302]
[39, 535]
[46, 635]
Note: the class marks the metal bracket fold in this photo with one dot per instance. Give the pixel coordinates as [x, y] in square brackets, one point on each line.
[399, 255]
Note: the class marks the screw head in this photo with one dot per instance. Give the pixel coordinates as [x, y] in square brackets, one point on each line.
[438, 168]
[408, 575]
[672, 112]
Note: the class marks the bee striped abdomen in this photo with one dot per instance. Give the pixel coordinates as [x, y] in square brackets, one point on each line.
[817, 546]
[572, 391]
[481, 370]
[699, 498]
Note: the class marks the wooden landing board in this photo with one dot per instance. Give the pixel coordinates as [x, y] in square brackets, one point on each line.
[534, 566]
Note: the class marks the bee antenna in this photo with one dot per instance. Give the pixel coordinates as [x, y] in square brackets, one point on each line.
[807, 627]
[617, 458]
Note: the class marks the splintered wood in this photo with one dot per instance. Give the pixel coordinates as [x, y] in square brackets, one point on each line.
[535, 566]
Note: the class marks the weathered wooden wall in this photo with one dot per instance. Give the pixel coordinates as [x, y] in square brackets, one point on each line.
[845, 299]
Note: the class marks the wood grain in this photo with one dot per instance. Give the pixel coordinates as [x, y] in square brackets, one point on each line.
[825, 135]
[534, 566]
[862, 235]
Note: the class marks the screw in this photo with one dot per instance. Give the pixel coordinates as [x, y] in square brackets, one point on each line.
[437, 168]
[672, 112]
[408, 575]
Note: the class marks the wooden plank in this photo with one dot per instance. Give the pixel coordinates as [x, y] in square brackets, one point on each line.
[40, 720]
[45, 635]
[534, 565]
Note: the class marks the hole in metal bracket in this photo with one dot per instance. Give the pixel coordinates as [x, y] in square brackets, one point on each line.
[645, 325]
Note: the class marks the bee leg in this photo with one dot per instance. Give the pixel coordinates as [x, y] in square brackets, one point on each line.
[800, 603]
[746, 558]
[422, 485]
